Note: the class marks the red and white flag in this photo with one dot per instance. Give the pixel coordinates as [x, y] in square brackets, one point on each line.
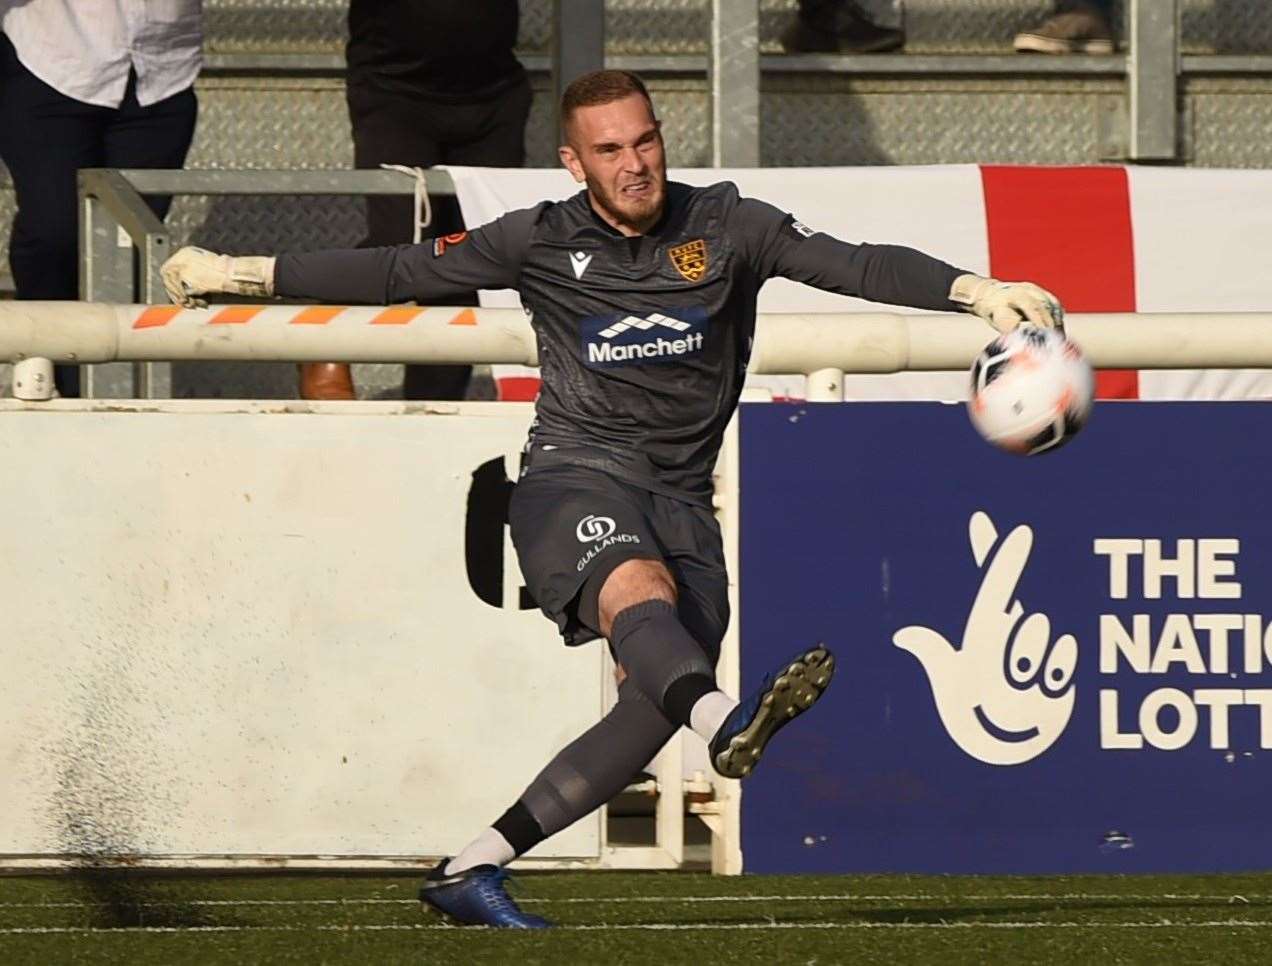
[1104, 239]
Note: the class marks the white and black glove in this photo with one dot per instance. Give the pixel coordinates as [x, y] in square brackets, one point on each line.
[1005, 305]
[192, 272]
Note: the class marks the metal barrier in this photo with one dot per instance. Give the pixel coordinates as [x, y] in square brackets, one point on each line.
[34, 335]
[114, 219]
[310, 807]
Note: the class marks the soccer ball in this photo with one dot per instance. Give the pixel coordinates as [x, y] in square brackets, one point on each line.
[1031, 391]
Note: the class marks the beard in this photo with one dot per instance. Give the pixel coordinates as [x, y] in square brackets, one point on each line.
[637, 213]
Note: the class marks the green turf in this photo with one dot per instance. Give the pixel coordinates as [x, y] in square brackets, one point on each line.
[655, 918]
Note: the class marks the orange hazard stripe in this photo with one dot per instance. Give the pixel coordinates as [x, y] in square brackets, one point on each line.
[236, 315]
[317, 315]
[466, 317]
[156, 316]
[397, 315]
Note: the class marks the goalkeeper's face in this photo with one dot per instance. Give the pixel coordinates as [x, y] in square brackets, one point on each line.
[617, 150]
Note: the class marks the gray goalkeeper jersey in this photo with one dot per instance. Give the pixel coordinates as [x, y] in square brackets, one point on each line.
[643, 342]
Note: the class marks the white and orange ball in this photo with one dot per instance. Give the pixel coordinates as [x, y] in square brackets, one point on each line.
[1031, 391]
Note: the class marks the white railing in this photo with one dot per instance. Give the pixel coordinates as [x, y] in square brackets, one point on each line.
[33, 335]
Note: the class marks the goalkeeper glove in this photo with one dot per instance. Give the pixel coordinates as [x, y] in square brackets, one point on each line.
[1005, 305]
[192, 272]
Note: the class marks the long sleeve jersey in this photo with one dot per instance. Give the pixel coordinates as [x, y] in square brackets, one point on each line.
[643, 341]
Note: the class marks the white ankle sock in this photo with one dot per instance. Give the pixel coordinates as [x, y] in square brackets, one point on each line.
[489, 848]
[709, 712]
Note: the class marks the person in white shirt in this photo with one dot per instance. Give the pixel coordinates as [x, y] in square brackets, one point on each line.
[107, 84]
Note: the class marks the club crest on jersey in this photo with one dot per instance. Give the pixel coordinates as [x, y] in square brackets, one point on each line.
[674, 335]
[690, 259]
[443, 242]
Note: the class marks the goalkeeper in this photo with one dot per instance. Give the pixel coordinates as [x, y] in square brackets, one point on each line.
[643, 299]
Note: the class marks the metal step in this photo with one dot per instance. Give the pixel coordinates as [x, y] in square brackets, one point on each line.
[665, 27]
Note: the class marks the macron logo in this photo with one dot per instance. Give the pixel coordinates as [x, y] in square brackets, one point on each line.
[658, 347]
[579, 261]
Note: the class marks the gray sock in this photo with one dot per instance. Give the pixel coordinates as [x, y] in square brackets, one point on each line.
[662, 658]
[600, 763]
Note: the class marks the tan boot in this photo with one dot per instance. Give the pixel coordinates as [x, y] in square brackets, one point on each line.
[1080, 30]
[326, 380]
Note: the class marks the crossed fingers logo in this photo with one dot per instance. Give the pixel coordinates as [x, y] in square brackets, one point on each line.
[1006, 694]
[592, 528]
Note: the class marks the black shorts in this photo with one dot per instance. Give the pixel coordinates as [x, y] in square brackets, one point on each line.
[572, 525]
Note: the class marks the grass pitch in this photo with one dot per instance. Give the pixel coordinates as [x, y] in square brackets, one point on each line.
[655, 918]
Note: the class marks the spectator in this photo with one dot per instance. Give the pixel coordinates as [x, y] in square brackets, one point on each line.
[430, 82]
[1076, 27]
[110, 86]
[838, 26]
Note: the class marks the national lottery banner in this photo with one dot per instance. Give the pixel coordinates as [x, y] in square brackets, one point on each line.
[1046, 665]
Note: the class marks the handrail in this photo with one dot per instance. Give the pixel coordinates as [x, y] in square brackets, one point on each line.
[813, 343]
[111, 207]
[262, 181]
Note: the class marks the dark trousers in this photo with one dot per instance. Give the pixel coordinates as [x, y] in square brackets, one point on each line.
[45, 138]
[1103, 6]
[393, 128]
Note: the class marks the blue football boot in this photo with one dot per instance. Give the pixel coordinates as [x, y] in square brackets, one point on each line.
[476, 897]
[782, 696]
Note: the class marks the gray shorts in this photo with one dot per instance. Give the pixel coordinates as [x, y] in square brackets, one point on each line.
[572, 525]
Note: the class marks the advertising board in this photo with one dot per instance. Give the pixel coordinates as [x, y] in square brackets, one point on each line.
[1054, 664]
[233, 629]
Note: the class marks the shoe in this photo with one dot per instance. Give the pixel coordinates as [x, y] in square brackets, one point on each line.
[326, 380]
[476, 897]
[782, 696]
[839, 27]
[1083, 30]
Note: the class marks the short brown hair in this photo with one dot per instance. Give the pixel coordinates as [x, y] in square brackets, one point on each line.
[600, 87]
